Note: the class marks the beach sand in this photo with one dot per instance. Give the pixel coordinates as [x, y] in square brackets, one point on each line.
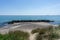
[24, 26]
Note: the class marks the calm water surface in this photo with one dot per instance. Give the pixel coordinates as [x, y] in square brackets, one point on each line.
[5, 18]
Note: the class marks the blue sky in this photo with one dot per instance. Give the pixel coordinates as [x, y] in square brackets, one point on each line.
[29, 7]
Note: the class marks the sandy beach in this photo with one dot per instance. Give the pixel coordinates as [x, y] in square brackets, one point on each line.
[24, 26]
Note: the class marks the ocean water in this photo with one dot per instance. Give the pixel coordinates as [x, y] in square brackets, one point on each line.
[6, 18]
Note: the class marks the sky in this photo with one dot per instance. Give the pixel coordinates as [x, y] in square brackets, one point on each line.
[29, 7]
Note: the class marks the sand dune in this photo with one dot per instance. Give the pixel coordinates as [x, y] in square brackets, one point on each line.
[26, 27]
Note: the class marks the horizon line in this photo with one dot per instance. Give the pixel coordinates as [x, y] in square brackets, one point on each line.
[28, 14]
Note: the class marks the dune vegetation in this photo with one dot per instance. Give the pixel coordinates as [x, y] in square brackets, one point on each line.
[49, 33]
[16, 35]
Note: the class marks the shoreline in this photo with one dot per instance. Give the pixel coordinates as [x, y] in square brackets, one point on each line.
[25, 26]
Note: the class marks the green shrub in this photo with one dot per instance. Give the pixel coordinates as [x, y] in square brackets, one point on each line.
[16, 35]
[35, 30]
[50, 34]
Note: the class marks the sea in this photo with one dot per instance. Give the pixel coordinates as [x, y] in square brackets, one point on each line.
[7, 18]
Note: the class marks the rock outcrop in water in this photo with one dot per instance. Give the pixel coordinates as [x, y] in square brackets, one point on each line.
[17, 21]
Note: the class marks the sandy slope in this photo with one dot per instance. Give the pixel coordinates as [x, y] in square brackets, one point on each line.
[26, 27]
